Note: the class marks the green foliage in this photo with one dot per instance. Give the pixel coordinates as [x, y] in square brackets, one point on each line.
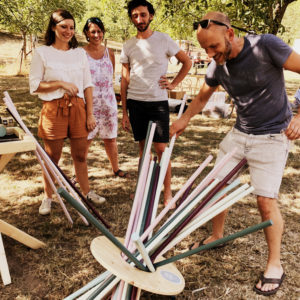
[31, 16]
[172, 16]
[28, 17]
[291, 23]
[114, 17]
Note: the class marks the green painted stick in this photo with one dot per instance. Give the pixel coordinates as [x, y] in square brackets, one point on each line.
[145, 146]
[99, 226]
[105, 284]
[215, 243]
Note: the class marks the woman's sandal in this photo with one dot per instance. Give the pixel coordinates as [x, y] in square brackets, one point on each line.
[121, 174]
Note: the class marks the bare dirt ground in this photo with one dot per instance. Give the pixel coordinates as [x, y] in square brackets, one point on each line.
[66, 264]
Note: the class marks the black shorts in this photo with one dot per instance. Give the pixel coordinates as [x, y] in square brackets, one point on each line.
[141, 112]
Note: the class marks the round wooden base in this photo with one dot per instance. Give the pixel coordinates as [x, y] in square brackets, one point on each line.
[166, 280]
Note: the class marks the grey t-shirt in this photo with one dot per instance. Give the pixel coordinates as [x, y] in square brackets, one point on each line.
[255, 80]
[148, 60]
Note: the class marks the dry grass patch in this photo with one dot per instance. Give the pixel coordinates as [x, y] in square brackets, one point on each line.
[66, 264]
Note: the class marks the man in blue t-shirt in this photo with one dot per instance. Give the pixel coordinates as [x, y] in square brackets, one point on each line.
[250, 69]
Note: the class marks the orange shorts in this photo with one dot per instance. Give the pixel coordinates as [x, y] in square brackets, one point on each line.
[63, 117]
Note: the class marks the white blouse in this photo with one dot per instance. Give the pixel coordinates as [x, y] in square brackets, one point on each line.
[51, 64]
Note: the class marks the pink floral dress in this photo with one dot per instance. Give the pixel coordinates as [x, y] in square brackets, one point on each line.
[104, 100]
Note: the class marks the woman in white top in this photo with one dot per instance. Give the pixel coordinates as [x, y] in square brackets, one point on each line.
[102, 65]
[60, 76]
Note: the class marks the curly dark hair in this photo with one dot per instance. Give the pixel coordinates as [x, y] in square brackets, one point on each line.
[136, 3]
[56, 17]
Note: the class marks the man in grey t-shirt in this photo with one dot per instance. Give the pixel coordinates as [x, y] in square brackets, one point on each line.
[250, 69]
[144, 85]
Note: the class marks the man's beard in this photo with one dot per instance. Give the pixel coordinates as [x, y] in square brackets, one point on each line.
[228, 49]
[144, 28]
[226, 53]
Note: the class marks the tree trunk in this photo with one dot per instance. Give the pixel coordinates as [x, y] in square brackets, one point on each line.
[23, 51]
[279, 11]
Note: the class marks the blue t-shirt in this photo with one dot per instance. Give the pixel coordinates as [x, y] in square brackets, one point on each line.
[255, 81]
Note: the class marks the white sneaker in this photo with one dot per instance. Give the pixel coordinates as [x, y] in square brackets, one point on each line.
[45, 207]
[92, 196]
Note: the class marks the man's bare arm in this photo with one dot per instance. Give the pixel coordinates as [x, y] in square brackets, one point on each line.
[194, 108]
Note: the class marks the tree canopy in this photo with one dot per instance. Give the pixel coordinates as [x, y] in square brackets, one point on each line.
[175, 17]
[28, 17]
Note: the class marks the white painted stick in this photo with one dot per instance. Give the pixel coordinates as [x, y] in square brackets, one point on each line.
[145, 196]
[137, 198]
[140, 246]
[219, 195]
[89, 285]
[217, 205]
[4, 270]
[184, 234]
[9, 103]
[108, 289]
[42, 163]
[60, 180]
[138, 294]
[176, 197]
[124, 291]
[155, 243]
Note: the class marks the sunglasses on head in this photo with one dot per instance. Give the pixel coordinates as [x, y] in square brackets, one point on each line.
[205, 23]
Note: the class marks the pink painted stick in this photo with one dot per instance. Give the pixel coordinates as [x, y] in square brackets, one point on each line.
[137, 198]
[206, 180]
[176, 197]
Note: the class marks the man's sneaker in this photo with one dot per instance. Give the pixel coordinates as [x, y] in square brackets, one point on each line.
[45, 207]
[92, 196]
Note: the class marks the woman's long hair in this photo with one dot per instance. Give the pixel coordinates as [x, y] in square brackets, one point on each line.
[56, 17]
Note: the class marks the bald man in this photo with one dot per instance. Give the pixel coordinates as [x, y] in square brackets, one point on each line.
[250, 69]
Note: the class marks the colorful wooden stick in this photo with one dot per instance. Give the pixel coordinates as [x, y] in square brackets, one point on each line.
[140, 246]
[176, 197]
[89, 286]
[195, 212]
[99, 226]
[208, 216]
[215, 243]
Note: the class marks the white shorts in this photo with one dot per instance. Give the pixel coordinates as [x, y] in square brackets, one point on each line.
[266, 156]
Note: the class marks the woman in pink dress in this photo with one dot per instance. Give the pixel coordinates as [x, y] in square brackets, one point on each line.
[102, 65]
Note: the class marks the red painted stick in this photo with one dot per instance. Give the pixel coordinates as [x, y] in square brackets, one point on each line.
[154, 187]
[184, 196]
[198, 209]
